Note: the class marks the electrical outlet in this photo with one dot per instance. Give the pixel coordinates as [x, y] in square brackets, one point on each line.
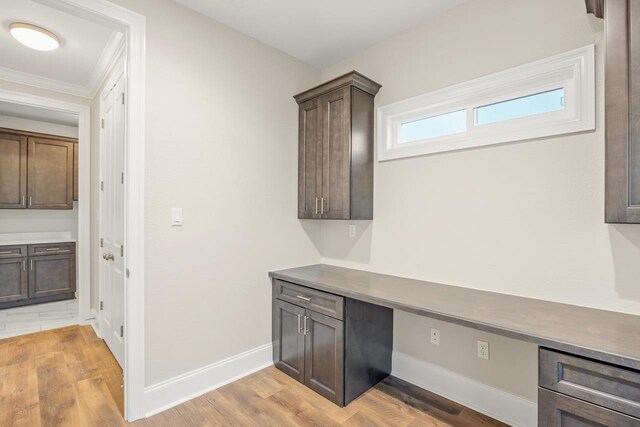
[483, 350]
[352, 230]
[435, 336]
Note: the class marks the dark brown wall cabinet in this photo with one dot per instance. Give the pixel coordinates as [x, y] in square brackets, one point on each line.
[576, 391]
[33, 274]
[37, 171]
[336, 346]
[622, 108]
[335, 149]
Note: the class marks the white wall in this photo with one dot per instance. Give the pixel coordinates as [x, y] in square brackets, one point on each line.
[36, 220]
[222, 144]
[523, 218]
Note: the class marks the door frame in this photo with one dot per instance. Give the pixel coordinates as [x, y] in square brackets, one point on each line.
[133, 25]
[83, 251]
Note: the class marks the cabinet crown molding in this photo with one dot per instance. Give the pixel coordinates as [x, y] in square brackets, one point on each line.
[353, 78]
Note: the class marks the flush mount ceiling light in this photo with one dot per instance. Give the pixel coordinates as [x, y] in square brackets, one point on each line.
[34, 37]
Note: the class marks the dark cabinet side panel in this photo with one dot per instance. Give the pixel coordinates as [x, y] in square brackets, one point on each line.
[362, 154]
[288, 339]
[50, 175]
[13, 171]
[76, 170]
[622, 106]
[324, 356]
[13, 279]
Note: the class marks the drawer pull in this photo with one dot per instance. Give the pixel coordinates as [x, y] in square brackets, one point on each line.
[53, 249]
[303, 298]
[6, 252]
[305, 325]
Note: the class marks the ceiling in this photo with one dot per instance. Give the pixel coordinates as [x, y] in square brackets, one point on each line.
[321, 32]
[75, 66]
[39, 114]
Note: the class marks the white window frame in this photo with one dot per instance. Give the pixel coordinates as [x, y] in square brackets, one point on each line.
[572, 71]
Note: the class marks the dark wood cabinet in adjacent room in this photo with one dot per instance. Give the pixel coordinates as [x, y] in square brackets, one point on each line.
[336, 346]
[33, 274]
[13, 171]
[37, 171]
[50, 180]
[13, 273]
[335, 149]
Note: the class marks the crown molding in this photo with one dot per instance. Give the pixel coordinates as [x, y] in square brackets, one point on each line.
[110, 54]
[28, 79]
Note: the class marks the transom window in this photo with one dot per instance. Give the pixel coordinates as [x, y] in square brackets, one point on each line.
[553, 96]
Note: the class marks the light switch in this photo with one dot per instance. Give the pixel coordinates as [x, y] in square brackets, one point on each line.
[176, 217]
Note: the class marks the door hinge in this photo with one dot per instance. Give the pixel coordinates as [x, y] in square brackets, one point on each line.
[102, 123]
[121, 331]
[127, 273]
[101, 242]
[101, 185]
[122, 250]
[101, 305]
[121, 177]
[122, 98]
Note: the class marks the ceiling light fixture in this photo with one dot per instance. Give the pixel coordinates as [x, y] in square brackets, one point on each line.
[34, 37]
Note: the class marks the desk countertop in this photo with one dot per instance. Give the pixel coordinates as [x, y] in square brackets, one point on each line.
[598, 334]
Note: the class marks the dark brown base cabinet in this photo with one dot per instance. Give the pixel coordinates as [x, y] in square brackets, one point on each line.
[336, 346]
[579, 392]
[34, 274]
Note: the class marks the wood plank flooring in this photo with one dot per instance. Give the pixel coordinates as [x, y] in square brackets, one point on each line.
[68, 377]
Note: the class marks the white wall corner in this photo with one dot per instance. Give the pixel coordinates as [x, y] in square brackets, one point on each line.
[506, 407]
[174, 391]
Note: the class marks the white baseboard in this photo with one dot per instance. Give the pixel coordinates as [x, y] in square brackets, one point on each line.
[172, 392]
[506, 407]
[95, 322]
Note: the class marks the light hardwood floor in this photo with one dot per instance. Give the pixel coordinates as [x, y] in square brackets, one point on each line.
[68, 377]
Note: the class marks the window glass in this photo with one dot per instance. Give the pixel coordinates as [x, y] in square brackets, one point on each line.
[544, 102]
[435, 126]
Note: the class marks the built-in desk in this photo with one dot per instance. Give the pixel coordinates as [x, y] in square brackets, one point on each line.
[589, 358]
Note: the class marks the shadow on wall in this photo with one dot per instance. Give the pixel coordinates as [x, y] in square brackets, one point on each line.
[625, 249]
[332, 239]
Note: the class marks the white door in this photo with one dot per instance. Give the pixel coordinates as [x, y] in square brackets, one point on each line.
[112, 218]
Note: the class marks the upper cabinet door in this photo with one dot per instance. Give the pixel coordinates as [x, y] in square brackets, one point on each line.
[622, 108]
[50, 174]
[13, 171]
[309, 159]
[336, 153]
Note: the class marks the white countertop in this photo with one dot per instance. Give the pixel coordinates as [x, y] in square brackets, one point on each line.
[8, 239]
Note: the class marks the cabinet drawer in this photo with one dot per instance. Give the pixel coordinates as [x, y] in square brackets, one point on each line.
[605, 385]
[558, 410]
[320, 302]
[13, 251]
[52, 249]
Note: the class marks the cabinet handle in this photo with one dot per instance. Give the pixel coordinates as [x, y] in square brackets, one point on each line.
[322, 206]
[299, 323]
[5, 252]
[24, 265]
[24, 200]
[303, 298]
[305, 325]
[30, 203]
[52, 249]
[31, 264]
[316, 205]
